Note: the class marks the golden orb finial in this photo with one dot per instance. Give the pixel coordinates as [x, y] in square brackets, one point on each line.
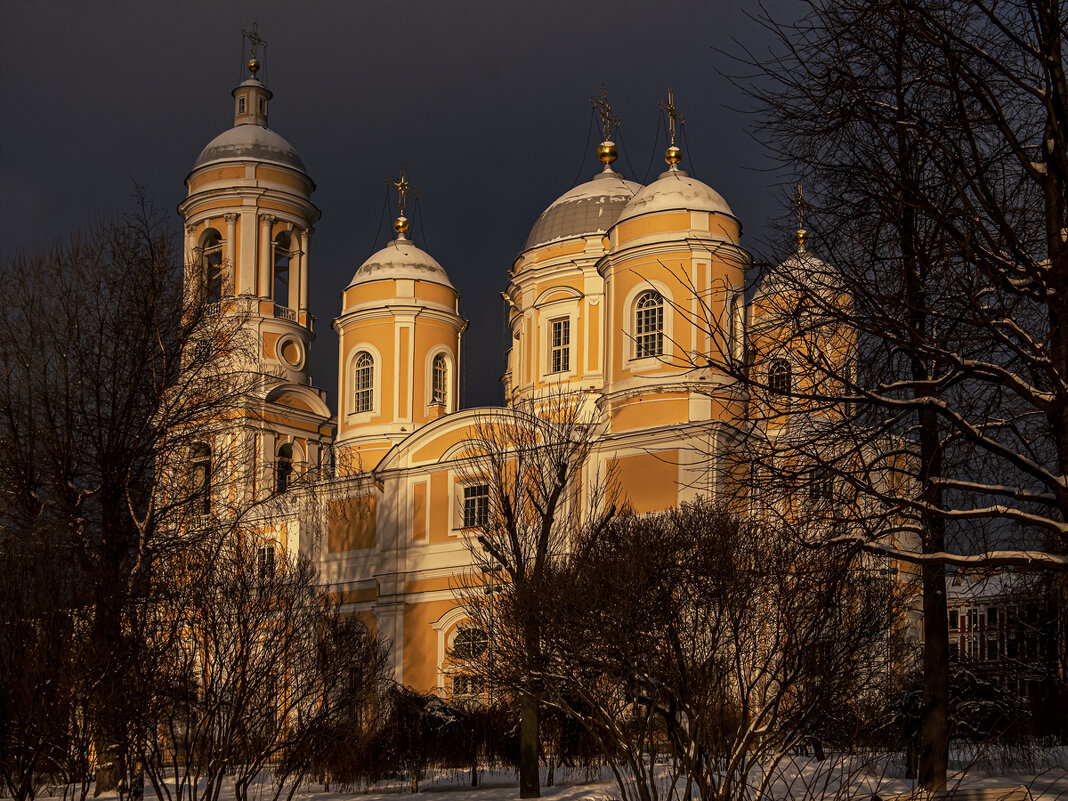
[255, 42]
[607, 152]
[802, 237]
[673, 155]
[401, 225]
[253, 66]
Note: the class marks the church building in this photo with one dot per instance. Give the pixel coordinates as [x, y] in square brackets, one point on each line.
[604, 302]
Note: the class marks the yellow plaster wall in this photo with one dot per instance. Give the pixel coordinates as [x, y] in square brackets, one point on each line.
[419, 510]
[649, 410]
[420, 663]
[270, 342]
[351, 524]
[441, 507]
[649, 480]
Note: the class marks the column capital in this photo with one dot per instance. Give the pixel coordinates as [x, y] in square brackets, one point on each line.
[231, 217]
[190, 229]
[267, 219]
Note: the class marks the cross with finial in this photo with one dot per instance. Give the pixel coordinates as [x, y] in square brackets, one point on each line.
[403, 188]
[673, 114]
[608, 119]
[802, 234]
[255, 41]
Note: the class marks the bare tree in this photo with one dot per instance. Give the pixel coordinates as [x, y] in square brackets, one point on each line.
[916, 379]
[529, 489]
[728, 641]
[94, 421]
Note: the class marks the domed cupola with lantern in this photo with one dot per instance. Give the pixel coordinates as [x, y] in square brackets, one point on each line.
[399, 348]
[674, 276]
[249, 221]
[555, 295]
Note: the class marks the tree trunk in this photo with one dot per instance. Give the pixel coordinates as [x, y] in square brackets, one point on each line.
[529, 781]
[934, 734]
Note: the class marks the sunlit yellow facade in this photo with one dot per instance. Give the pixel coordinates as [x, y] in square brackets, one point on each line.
[614, 302]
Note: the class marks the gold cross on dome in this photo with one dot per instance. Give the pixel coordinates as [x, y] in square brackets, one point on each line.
[608, 119]
[255, 41]
[799, 198]
[673, 114]
[403, 188]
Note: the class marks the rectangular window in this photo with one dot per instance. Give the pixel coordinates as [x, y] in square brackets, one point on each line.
[991, 617]
[992, 652]
[266, 563]
[953, 619]
[241, 105]
[560, 346]
[476, 505]
[1012, 648]
[973, 618]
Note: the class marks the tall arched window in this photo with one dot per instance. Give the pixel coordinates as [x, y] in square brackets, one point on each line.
[440, 376]
[211, 263]
[281, 269]
[284, 468]
[200, 479]
[736, 328]
[780, 380]
[649, 325]
[363, 382]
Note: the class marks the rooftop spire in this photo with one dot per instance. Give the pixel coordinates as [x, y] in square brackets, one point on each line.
[251, 96]
[606, 151]
[672, 155]
[802, 234]
[255, 41]
[401, 224]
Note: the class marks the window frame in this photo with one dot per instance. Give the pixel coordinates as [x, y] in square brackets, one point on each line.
[439, 394]
[479, 517]
[362, 398]
[780, 377]
[637, 317]
[559, 352]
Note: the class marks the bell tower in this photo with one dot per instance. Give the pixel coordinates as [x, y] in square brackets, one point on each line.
[249, 223]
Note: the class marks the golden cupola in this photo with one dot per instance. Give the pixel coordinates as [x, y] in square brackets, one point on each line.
[399, 348]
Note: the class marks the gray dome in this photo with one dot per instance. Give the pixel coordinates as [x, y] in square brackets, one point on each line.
[249, 142]
[401, 259]
[589, 208]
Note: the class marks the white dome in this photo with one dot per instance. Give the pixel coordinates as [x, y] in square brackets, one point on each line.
[801, 271]
[401, 259]
[249, 142]
[589, 208]
[674, 190]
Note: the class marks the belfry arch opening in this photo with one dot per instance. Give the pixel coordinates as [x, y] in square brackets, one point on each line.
[211, 265]
[280, 269]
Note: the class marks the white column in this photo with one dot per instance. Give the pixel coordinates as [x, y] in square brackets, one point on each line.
[296, 269]
[266, 266]
[231, 255]
[304, 270]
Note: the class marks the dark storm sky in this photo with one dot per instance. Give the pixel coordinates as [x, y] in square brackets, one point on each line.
[485, 102]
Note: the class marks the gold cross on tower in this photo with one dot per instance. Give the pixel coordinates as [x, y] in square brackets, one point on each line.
[673, 155]
[400, 225]
[802, 234]
[255, 41]
[608, 119]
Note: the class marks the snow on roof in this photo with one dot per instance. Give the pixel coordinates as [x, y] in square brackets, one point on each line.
[249, 142]
[673, 190]
[401, 259]
[589, 208]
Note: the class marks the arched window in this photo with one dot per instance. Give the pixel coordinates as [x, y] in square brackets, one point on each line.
[200, 479]
[211, 263]
[284, 468]
[281, 269]
[469, 643]
[779, 379]
[363, 382]
[440, 377]
[649, 325]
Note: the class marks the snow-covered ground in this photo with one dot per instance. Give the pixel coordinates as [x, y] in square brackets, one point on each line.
[803, 779]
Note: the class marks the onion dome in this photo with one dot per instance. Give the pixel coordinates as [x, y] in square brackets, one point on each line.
[588, 209]
[401, 259]
[673, 190]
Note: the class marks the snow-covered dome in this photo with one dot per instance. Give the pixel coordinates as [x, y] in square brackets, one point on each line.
[674, 189]
[799, 272]
[401, 259]
[249, 142]
[589, 208]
